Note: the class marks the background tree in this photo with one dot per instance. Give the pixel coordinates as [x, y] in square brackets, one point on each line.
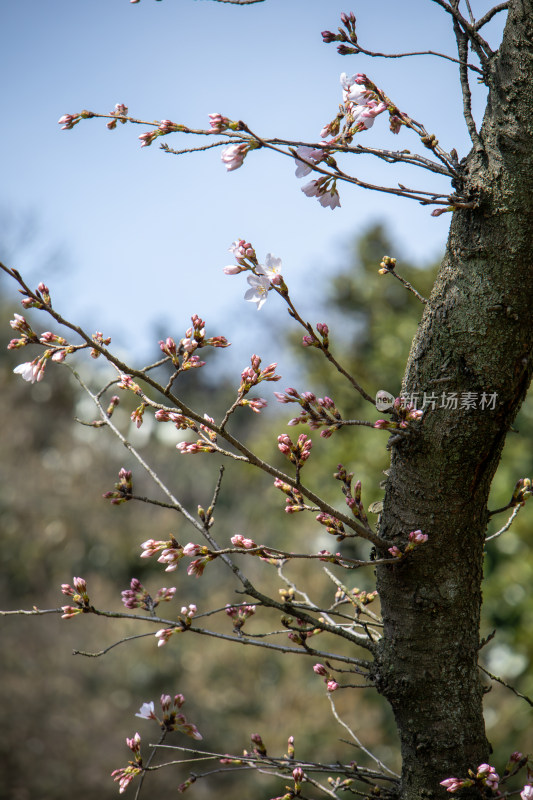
[441, 471]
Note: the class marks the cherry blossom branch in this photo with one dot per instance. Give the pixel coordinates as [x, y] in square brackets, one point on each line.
[350, 35]
[423, 197]
[265, 764]
[254, 141]
[245, 638]
[175, 504]
[248, 455]
[322, 344]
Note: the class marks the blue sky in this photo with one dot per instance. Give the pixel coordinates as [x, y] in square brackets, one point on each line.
[143, 235]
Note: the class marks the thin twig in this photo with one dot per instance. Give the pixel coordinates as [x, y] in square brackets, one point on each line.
[415, 53]
[483, 51]
[407, 285]
[490, 14]
[99, 653]
[507, 524]
[507, 685]
[147, 765]
[374, 758]
[462, 48]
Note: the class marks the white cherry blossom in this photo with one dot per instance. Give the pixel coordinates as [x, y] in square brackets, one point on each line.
[258, 292]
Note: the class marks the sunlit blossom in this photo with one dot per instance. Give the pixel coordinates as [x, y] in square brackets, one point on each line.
[259, 286]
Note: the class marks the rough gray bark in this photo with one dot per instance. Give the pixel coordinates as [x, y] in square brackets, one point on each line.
[475, 335]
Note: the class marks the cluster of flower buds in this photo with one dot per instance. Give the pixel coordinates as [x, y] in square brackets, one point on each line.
[295, 501]
[317, 412]
[403, 413]
[522, 491]
[333, 526]
[98, 338]
[172, 553]
[245, 257]
[137, 596]
[194, 339]
[79, 595]
[387, 264]
[239, 614]
[332, 558]
[28, 335]
[33, 371]
[39, 299]
[67, 121]
[219, 124]
[241, 541]
[346, 34]
[125, 775]
[353, 497]
[298, 634]
[127, 382]
[172, 720]
[181, 422]
[312, 340]
[163, 127]
[252, 375]
[207, 442]
[415, 539]
[361, 597]
[298, 452]
[119, 114]
[123, 488]
[183, 624]
[485, 775]
[331, 683]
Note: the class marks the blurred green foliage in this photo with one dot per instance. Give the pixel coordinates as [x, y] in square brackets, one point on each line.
[65, 717]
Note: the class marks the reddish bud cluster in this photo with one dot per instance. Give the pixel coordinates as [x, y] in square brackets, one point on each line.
[137, 596]
[333, 526]
[194, 339]
[316, 412]
[239, 614]
[120, 113]
[79, 595]
[298, 452]
[353, 497]
[330, 682]
[123, 488]
[295, 501]
[403, 414]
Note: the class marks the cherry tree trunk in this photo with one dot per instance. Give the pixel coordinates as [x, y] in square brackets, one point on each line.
[476, 336]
